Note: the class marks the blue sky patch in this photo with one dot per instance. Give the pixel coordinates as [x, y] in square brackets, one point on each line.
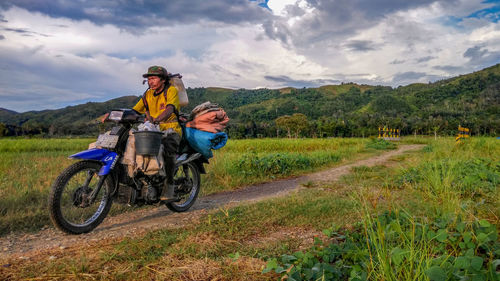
[262, 3]
[491, 14]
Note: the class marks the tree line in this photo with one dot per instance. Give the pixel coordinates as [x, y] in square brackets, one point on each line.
[347, 110]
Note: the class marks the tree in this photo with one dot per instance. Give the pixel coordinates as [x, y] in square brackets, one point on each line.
[3, 129]
[283, 122]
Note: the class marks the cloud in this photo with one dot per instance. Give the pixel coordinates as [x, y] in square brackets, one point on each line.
[361, 45]
[480, 57]
[396, 61]
[326, 19]
[451, 68]
[135, 15]
[286, 81]
[424, 59]
[410, 77]
[62, 52]
[24, 32]
[475, 53]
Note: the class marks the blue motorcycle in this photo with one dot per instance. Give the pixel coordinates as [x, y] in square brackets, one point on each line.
[83, 193]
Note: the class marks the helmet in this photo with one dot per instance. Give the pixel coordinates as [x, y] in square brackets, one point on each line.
[156, 70]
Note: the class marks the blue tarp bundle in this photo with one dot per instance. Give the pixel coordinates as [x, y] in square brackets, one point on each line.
[204, 142]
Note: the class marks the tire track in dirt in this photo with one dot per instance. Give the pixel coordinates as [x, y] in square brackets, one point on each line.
[139, 222]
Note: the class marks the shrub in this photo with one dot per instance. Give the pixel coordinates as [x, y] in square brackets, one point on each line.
[397, 246]
[471, 178]
[381, 144]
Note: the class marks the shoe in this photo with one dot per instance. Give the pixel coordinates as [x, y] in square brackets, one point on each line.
[167, 194]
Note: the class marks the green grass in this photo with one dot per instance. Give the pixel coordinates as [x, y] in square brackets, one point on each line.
[27, 170]
[435, 217]
[374, 224]
[30, 166]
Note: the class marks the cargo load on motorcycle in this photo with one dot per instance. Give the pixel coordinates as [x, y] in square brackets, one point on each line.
[126, 164]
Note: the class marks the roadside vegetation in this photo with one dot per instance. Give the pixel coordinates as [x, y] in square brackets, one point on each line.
[431, 214]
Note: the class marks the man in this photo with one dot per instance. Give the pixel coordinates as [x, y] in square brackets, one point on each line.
[160, 103]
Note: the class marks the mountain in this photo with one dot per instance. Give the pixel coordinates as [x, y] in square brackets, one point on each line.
[349, 109]
[6, 114]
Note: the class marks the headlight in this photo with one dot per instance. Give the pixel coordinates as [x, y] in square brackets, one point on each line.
[115, 115]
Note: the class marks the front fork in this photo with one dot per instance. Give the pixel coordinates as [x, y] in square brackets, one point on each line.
[93, 194]
[86, 199]
[108, 159]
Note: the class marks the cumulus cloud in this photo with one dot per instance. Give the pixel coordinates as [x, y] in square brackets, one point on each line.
[56, 53]
[138, 14]
[475, 53]
[481, 56]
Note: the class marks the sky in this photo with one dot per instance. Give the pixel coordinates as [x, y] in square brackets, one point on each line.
[56, 53]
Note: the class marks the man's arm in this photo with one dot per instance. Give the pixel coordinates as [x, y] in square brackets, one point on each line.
[140, 108]
[165, 114]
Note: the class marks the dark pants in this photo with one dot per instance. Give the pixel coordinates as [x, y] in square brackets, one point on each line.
[170, 143]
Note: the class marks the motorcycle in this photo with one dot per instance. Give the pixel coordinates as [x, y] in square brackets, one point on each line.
[83, 193]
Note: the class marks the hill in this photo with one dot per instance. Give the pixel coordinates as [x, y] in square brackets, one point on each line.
[471, 100]
[6, 114]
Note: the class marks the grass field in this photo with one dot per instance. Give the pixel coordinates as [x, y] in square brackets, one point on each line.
[29, 166]
[432, 214]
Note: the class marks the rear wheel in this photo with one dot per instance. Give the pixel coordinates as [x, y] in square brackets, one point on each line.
[187, 182]
[71, 209]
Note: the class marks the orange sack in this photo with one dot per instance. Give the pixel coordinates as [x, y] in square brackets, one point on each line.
[213, 121]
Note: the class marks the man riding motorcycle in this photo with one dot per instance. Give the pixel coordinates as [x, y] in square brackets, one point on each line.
[160, 103]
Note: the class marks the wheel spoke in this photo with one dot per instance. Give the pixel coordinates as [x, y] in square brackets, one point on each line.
[74, 200]
[186, 176]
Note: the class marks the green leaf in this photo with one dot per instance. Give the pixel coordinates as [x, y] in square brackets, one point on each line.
[469, 253]
[479, 277]
[442, 235]
[476, 263]
[397, 255]
[462, 263]
[467, 237]
[461, 227]
[483, 238]
[235, 256]
[288, 258]
[436, 273]
[272, 264]
[316, 268]
[280, 269]
[484, 223]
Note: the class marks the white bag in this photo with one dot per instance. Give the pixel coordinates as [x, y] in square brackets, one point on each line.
[181, 90]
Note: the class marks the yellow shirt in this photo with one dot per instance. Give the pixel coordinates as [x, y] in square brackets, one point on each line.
[157, 104]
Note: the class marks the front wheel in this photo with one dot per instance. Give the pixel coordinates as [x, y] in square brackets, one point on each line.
[71, 209]
[187, 182]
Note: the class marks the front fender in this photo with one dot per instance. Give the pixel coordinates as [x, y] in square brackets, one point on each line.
[108, 158]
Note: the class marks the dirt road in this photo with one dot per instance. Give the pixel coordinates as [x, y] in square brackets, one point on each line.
[145, 220]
